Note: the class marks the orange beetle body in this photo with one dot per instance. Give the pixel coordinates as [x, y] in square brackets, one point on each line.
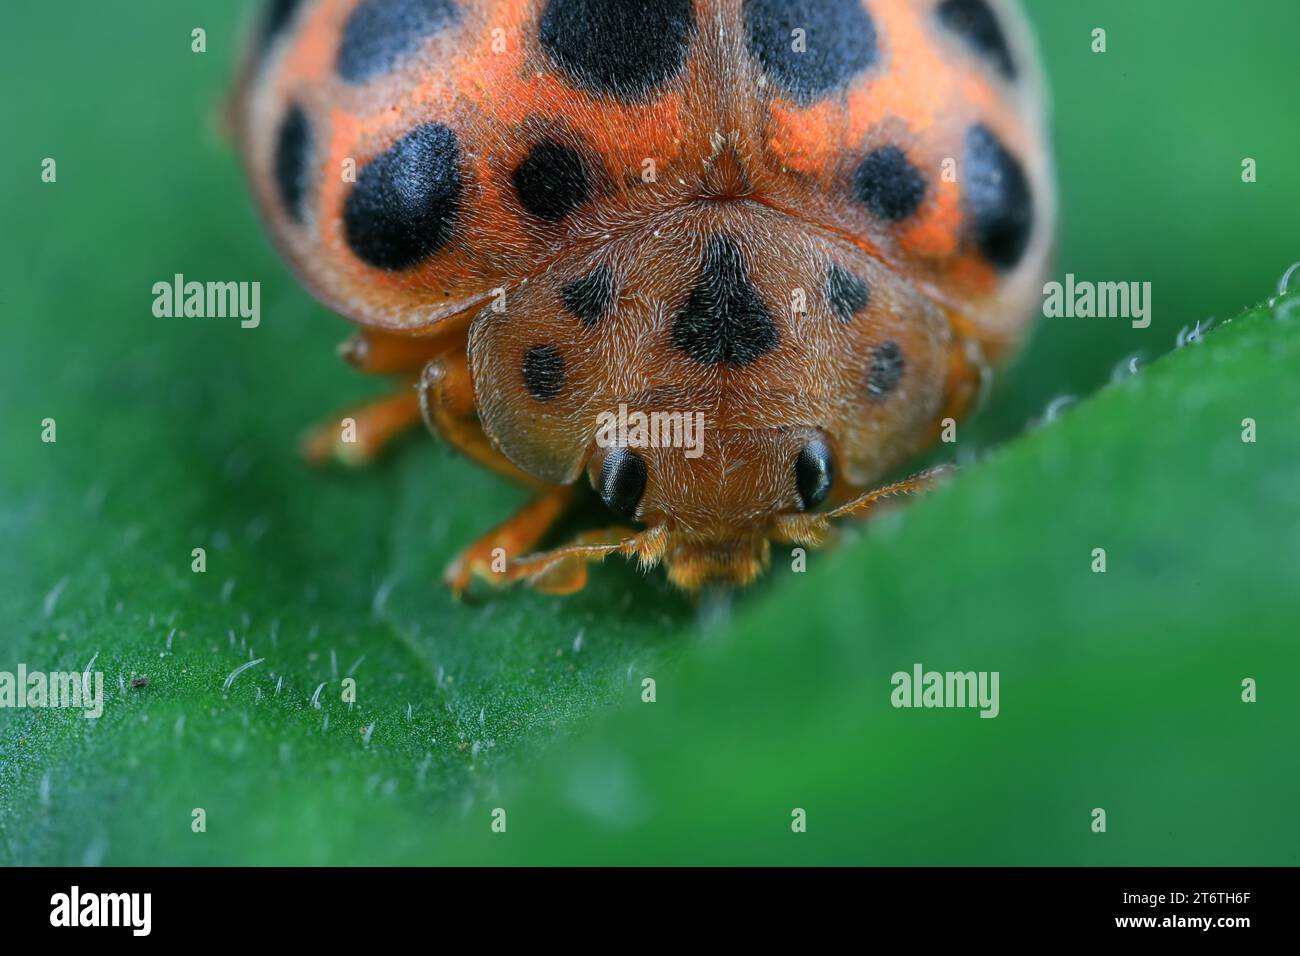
[808, 224]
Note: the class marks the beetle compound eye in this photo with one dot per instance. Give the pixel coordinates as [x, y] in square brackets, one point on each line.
[813, 473]
[622, 482]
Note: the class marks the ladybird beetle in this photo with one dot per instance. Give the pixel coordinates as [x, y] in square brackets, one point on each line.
[816, 223]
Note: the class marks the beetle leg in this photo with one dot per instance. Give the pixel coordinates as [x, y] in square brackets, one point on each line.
[357, 435]
[490, 556]
[446, 393]
[564, 570]
[383, 353]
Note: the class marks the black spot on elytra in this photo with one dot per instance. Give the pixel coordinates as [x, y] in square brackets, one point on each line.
[888, 184]
[724, 320]
[975, 22]
[885, 370]
[622, 482]
[998, 203]
[380, 32]
[292, 155]
[406, 201]
[275, 18]
[543, 371]
[551, 181]
[814, 473]
[838, 42]
[589, 297]
[848, 293]
[620, 48]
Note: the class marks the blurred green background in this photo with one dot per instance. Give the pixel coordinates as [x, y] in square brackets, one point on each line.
[1118, 691]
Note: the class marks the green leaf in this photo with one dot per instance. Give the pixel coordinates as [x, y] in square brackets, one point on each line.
[1118, 690]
